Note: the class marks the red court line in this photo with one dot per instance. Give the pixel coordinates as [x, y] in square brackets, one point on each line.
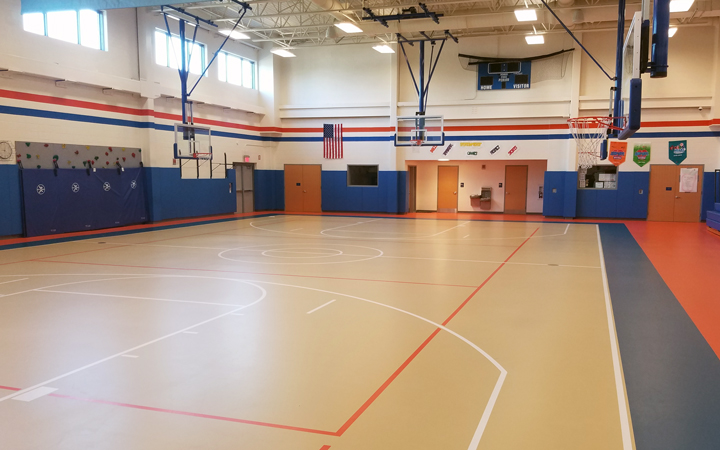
[325, 447]
[251, 273]
[417, 351]
[8, 388]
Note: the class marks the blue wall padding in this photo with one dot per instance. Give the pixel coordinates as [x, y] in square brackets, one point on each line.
[625, 202]
[171, 197]
[708, 194]
[269, 190]
[105, 198]
[389, 196]
[559, 194]
[713, 219]
[10, 205]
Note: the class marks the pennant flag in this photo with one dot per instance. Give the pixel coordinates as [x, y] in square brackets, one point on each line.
[332, 141]
[618, 151]
[641, 154]
[677, 151]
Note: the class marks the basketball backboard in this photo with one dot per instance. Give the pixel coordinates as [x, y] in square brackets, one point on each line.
[419, 131]
[634, 64]
[192, 142]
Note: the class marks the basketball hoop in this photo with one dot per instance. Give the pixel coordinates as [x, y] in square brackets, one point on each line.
[203, 156]
[588, 133]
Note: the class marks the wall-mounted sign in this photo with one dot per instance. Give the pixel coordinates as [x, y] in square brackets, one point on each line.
[470, 144]
[641, 154]
[472, 153]
[677, 151]
[512, 150]
[494, 150]
[618, 152]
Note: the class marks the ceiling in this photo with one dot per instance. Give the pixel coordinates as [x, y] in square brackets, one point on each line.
[303, 23]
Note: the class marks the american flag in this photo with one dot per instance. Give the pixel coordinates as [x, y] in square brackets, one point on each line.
[332, 141]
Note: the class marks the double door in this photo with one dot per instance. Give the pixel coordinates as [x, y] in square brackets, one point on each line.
[302, 188]
[244, 187]
[665, 201]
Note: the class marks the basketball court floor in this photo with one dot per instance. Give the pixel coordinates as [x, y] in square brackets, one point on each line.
[313, 332]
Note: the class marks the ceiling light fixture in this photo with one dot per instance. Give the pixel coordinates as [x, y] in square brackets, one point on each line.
[525, 15]
[348, 27]
[443, 159]
[384, 48]
[234, 34]
[672, 31]
[680, 5]
[282, 52]
[535, 39]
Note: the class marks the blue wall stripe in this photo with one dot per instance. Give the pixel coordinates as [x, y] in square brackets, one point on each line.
[671, 372]
[12, 110]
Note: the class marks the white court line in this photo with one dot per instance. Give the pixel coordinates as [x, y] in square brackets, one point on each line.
[466, 236]
[100, 361]
[498, 384]
[14, 281]
[34, 394]
[157, 245]
[489, 262]
[190, 332]
[129, 356]
[137, 298]
[452, 228]
[566, 229]
[617, 367]
[237, 314]
[321, 306]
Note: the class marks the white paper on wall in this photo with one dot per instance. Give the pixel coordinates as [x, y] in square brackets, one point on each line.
[688, 180]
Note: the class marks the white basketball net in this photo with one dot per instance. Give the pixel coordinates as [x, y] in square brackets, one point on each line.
[588, 133]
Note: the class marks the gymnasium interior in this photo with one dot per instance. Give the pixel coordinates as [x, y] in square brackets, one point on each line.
[359, 224]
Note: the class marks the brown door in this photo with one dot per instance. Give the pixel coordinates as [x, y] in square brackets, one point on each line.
[293, 188]
[516, 189]
[302, 188]
[688, 204]
[665, 201]
[312, 194]
[412, 185]
[447, 188]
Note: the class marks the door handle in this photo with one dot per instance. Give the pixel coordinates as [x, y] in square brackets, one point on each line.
[677, 196]
[304, 190]
[455, 193]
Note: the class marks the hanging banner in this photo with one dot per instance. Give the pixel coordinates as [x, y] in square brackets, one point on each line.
[677, 151]
[618, 151]
[641, 154]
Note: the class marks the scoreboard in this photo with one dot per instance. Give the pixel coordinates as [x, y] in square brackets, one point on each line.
[504, 75]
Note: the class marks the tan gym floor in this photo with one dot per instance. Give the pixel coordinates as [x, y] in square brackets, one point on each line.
[310, 333]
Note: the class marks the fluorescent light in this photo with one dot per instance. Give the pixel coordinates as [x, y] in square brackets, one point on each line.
[234, 34]
[525, 15]
[680, 5]
[535, 39]
[443, 159]
[348, 27]
[282, 52]
[383, 49]
[672, 31]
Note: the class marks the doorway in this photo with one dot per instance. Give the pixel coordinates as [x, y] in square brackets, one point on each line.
[244, 187]
[516, 189]
[303, 188]
[447, 189]
[665, 201]
[412, 189]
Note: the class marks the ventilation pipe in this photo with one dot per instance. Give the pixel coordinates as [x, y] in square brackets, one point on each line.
[565, 3]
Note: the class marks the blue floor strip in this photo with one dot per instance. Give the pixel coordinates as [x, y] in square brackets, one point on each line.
[671, 372]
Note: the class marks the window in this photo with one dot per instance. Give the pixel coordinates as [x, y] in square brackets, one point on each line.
[362, 176]
[85, 27]
[167, 52]
[236, 70]
[598, 177]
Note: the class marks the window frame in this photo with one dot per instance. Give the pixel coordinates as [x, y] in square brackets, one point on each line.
[169, 50]
[102, 28]
[377, 177]
[224, 54]
[599, 169]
